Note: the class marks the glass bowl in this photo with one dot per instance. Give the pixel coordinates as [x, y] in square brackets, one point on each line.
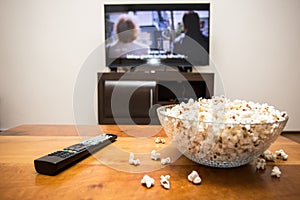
[218, 144]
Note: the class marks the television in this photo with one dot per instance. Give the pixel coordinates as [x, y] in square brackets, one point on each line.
[157, 35]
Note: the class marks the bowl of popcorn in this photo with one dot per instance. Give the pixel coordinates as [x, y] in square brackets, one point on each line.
[220, 132]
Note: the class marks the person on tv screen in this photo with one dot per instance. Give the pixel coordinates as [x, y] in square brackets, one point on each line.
[126, 44]
[192, 43]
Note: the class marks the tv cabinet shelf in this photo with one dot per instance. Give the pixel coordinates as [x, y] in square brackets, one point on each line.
[132, 97]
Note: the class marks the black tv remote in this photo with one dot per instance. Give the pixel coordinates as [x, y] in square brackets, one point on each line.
[58, 161]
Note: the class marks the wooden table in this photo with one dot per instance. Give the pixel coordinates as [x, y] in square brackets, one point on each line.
[109, 176]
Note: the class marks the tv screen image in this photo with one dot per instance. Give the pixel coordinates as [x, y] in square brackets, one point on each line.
[151, 34]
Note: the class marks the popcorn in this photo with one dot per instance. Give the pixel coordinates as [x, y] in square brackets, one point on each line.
[165, 161]
[157, 140]
[194, 177]
[164, 181]
[276, 172]
[260, 163]
[220, 132]
[269, 156]
[222, 109]
[133, 161]
[281, 155]
[160, 140]
[155, 155]
[147, 181]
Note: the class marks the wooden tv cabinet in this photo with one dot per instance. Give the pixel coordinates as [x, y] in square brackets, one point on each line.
[132, 97]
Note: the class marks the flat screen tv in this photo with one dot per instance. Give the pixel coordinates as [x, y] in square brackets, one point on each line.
[157, 34]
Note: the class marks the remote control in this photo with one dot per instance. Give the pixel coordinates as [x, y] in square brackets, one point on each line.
[58, 161]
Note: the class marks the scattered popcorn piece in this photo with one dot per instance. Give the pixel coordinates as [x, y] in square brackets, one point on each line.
[194, 177]
[165, 161]
[148, 181]
[269, 156]
[260, 163]
[276, 172]
[133, 161]
[157, 140]
[281, 154]
[155, 155]
[131, 156]
[197, 180]
[164, 181]
[136, 162]
[160, 140]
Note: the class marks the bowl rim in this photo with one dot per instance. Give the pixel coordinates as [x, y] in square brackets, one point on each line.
[159, 111]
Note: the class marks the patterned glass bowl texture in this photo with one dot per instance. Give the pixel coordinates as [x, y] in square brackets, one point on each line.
[222, 145]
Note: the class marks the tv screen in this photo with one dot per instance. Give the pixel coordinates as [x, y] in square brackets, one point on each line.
[157, 34]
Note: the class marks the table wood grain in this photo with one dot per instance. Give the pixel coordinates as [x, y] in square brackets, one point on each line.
[107, 174]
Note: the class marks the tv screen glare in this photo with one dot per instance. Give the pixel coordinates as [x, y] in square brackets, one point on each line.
[151, 34]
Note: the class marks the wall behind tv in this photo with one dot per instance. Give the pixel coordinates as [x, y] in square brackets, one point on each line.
[255, 47]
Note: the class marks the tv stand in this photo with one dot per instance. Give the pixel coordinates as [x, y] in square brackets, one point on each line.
[132, 97]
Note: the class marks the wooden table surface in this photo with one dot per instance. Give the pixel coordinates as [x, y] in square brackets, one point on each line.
[107, 174]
